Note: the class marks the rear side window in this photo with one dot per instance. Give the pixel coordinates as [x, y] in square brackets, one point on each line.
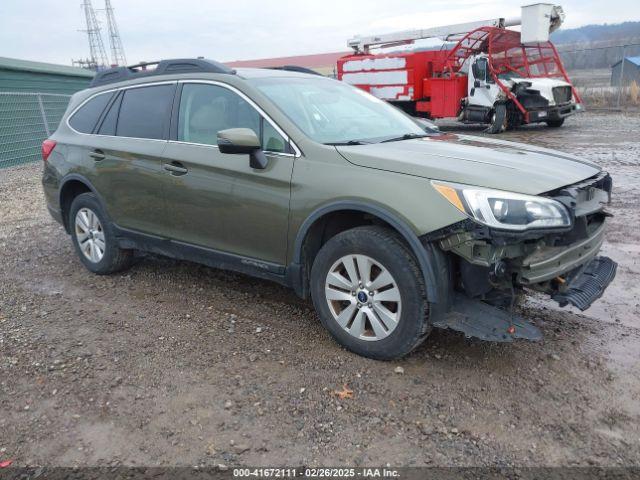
[108, 126]
[85, 119]
[144, 111]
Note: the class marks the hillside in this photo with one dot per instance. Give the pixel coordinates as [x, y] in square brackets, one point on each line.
[596, 46]
[627, 32]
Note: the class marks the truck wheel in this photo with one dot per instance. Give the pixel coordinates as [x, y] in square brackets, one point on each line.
[370, 294]
[555, 123]
[498, 119]
[93, 237]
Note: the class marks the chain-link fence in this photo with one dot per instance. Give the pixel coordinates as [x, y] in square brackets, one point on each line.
[26, 119]
[606, 76]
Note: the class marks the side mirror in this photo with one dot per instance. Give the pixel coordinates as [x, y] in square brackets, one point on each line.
[242, 141]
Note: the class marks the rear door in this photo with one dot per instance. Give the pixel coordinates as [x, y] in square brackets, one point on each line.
[217, 200]
[127, 154]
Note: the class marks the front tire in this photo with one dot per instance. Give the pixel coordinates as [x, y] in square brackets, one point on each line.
[555, 123]
[370, 294]
[93, 237]
[498, 119]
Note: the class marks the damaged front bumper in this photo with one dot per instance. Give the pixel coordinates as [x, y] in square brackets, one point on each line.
[547, 263]
[589, 284]
[555, 112]
[490, 267]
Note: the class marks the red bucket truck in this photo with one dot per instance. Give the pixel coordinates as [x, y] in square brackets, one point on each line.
[492, 74]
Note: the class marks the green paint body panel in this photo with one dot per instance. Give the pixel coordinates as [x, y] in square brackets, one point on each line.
[224, 205]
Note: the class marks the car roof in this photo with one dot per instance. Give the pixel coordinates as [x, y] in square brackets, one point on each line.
[185, 67]
[249, 73]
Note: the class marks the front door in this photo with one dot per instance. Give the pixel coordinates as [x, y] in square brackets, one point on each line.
[217, 200]
[483, 90]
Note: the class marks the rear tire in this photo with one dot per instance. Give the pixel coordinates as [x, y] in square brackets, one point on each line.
[498, 119]
[555, 123]
[356, 315]
[93, 237]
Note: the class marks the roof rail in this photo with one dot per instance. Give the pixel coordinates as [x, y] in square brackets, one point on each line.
[295, 68]
[162, 67]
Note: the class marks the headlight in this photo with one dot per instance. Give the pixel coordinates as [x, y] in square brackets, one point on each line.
[505, 210]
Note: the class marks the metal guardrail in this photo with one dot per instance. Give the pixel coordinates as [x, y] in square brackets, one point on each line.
[26, 119]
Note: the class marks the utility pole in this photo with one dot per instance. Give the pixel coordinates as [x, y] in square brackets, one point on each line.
[621, 79]
[117, 50]
[98, 57]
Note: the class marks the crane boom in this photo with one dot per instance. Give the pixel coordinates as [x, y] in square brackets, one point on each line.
[359, 43]
[549, 16]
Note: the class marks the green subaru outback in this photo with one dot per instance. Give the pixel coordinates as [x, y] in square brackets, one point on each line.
[389, 226]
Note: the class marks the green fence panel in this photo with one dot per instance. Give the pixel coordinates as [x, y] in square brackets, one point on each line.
[26, 119]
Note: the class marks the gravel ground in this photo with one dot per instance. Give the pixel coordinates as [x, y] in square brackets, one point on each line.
[172, 363]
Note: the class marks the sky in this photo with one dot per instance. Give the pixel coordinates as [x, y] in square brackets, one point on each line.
[50, 30]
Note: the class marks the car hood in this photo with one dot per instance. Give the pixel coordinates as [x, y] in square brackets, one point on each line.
[475, 161]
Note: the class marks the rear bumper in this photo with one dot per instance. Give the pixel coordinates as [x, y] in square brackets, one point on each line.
[554, 113]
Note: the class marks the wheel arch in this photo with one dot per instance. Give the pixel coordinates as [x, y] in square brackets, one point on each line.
[423, 253]
[70, 187]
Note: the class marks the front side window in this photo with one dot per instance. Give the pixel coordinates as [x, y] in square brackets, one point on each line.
[85, 119]
[272, 141]
[207, 109]
[329, 111]
[144, 111]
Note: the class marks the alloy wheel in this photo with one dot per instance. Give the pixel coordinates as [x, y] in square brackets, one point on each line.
[90, 235]
[363, 297]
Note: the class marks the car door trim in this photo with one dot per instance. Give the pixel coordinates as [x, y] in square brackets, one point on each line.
[100, 117]
[287, 138]
[266, 152]
[133, 239]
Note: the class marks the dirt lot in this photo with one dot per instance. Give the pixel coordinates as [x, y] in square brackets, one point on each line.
[174, 363]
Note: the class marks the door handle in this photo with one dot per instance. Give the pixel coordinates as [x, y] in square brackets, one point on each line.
[176, 168]
[97, 155]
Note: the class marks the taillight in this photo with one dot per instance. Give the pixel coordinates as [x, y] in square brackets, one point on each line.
[47, 148]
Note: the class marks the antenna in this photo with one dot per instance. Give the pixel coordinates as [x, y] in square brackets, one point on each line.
[117, 50]
[98, 57]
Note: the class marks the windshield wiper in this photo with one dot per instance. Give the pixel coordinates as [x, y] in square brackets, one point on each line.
[406, 136]
[348, 142]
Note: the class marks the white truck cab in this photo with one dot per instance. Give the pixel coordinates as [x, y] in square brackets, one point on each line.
[545, 99]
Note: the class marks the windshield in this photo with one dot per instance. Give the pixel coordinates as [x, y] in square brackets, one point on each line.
[509, 75]
[333, 112]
